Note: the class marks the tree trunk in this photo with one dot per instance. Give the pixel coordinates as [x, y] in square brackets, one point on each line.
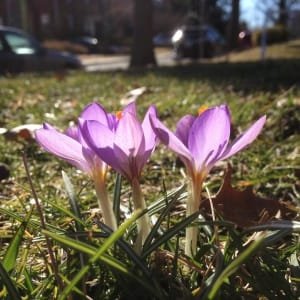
[234, 24]
[283, 16]
[142, 51]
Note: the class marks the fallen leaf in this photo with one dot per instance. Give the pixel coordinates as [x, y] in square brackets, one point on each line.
[25, 132]
[133, 95]
[244, 207]
[3, 130]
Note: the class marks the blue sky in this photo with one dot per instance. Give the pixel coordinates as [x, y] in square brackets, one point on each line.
[249, 12]
[252, 11]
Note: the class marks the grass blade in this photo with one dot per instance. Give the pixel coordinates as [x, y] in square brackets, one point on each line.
[158, 205]
[11, 254]
[79, 223]
[10, 286]
[135, 258]
[73, 201]
[170, 233]
[109, 242]
[233, 266]
[89, 250]
[161, 217]
[117, 197]
[34, 224]
[277, 225]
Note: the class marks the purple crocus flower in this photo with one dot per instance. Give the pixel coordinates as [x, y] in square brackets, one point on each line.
[201, 142]
[71, 147]
[126, 148]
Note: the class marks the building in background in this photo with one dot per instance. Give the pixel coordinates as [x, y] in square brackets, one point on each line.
[105, 19]
[55, 18]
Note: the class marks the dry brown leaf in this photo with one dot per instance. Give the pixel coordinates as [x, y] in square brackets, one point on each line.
[245, 208]
[25, 132]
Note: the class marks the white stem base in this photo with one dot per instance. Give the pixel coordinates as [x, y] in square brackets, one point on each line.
[105, 205]
[143, 223]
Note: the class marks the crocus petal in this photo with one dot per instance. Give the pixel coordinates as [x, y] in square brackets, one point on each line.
[129, 145]
[126, 165]
[183, 127]
[48, 126]
[100, 139]
[246, 138]
[209, 136]
[95, 111]
[73, 132]
[112, 121]
[62, 146]
[129, 135]
[150, 136]
[168, 138]
[131, 108]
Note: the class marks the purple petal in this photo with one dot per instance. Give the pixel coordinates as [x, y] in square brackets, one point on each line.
[183, 127]
[131, 108]
[100, 139]
[112, 121]
[246, 138]
[73, 132]
[95, 111]
[129, 145]
[168, 138]
[150, 136]
[126, 165]
[62, 146]
[209, 136]
[129, 135]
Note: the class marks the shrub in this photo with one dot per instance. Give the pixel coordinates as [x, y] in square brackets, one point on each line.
[275, 34]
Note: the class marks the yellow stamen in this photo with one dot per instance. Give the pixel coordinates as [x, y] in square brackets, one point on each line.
[202, 109]
[119, 114]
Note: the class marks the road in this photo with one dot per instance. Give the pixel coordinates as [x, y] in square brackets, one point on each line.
[95, 63]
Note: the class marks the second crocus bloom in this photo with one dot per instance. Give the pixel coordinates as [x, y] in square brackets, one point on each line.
[201, 142]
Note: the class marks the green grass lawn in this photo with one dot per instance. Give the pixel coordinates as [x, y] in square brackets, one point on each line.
[271, 165]
[286, 50]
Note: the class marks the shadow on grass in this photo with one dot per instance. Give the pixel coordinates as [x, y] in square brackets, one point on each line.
[271, 75]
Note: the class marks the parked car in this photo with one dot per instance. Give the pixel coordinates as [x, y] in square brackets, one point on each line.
[162, 39]
[197, 41]
[20, 52]
[90, 43]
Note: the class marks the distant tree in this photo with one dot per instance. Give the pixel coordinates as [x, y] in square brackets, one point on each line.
[142, 51]
[234, 24]
[208, 11]
[284, 6]
[283, 15]
[278, 10]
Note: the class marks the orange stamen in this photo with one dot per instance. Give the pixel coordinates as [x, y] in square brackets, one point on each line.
[119, 114]
[202, 109]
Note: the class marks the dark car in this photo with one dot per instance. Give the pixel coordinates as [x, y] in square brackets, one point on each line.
[19, 52]
[197, 41]
[90, 43]
[162, 39]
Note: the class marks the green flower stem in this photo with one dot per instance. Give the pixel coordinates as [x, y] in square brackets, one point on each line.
[192, 206]
[105, 205]
[143, 223]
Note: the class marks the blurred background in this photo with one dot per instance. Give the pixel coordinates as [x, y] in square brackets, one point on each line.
[190, 29]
